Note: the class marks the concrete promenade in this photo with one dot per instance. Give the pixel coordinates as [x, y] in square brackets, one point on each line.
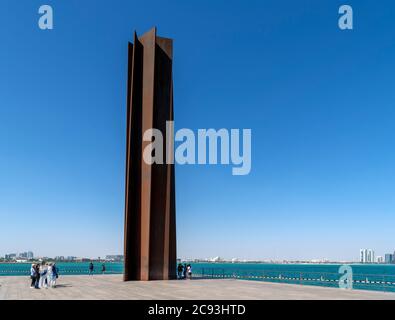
[112, 287]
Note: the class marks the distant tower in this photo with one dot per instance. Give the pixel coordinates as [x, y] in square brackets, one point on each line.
[372, 258]
[366, 256]
[150, 224]
[362, 255]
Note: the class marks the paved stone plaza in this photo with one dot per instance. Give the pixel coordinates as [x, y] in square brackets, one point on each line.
[112, 287]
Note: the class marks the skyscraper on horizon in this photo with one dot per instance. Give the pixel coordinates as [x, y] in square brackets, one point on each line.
[366, 256]
[389, 258]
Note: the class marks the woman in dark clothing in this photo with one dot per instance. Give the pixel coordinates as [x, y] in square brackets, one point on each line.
[180, 268]
[184, 272]
[37, 267]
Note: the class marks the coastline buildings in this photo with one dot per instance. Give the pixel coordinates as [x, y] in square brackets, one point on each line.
[389, 258]
[216, 259]
[10, 256]
[115, 258]
[366, 256]
[26, 255]
[23, 256]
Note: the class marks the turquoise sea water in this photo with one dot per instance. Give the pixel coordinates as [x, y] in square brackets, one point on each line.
[367, 277]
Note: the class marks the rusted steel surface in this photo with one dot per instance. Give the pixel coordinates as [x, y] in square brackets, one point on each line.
[150, 227]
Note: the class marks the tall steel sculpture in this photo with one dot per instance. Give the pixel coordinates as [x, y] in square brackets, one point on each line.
[150, 227]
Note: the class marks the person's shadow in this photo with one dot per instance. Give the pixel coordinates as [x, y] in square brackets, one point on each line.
[63, 286]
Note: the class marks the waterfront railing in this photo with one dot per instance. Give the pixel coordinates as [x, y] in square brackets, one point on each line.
[377, 282]
[61, 271]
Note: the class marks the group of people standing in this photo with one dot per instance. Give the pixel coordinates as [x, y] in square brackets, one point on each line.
[184, 271]
[43, 275]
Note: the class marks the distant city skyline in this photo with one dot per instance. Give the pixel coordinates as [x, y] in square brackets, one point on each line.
[365, 256]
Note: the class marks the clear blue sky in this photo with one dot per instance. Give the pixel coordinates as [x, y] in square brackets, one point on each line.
[320, 103]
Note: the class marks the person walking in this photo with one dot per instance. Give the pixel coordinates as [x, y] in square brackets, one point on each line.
[91, 269]
[103, 268]
[33, 276]
[180, 269]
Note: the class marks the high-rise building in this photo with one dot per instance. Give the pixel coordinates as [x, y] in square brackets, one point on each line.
[11, 256]
[362, 255]
[25, 255]
[379, 259]
[370, 256]
[366, 256]
[389, 258]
